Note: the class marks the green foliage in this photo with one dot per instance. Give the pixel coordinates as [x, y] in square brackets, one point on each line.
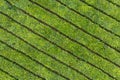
[59, 39]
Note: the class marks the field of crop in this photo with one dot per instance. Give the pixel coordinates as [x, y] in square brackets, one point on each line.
[59, 39]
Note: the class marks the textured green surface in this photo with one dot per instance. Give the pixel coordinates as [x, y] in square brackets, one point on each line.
[54, 36]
